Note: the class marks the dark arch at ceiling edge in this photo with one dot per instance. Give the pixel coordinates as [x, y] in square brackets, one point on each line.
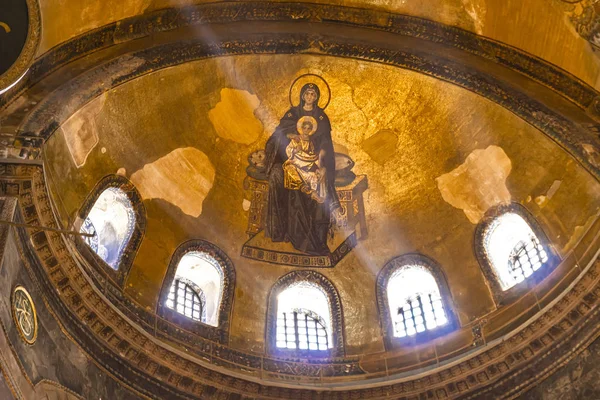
[529, 87]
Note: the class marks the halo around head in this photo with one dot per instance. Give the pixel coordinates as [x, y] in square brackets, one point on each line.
[310, 119]
[302, 80]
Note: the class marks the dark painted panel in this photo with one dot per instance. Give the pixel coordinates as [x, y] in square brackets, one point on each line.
[14, 22]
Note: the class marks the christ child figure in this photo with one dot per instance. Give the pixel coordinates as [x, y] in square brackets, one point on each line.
[302, 169]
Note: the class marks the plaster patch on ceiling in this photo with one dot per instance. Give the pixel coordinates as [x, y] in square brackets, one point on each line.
[184, 177]
[381, 146]
[578, 233]
[542, 200]
[233, 117]
[476, 10]
[80, 131]
[246, 204]
[477, 184]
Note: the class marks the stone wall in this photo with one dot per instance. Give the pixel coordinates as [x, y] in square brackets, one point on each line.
[53, 366]
[579, 379]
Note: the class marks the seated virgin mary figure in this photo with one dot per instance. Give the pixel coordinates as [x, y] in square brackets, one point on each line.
[302, 170]
[302, 194]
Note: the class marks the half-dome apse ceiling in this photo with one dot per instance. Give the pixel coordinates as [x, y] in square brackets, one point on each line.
[351, 202]
[426, 147]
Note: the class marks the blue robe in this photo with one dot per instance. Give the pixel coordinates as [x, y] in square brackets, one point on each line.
[292, 216]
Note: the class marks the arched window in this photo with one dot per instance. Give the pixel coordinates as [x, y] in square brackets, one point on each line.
[514, 250]
[511, 249]
[414, 300]
[111, 220]
[197, 291]
[304, 316]
[197, 288]
[114, 213]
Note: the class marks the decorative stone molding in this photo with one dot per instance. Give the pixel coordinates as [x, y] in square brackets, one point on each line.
[504, 297]
[154, 367]
[128, 254]
[385, 317]
[220, 332]
[335, 309]
[584, 16]
[24, 314]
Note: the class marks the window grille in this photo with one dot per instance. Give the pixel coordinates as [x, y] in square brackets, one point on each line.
[92, 241]
[112, 221]
[414, 300]
[418, 314]
[187, 299]
[513, 249]
[205, 274]
[525, 258]
[301, 329]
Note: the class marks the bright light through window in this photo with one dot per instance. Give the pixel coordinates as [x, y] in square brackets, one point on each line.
[513, 249]
[303, 318]
[415, 301]
[200, 271]
[112, 221]
[188, 299]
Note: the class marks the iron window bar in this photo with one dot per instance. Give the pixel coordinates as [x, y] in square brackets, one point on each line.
[92, 240]
[526, 258]
[302, 329]
[186, 298]
[417, 316]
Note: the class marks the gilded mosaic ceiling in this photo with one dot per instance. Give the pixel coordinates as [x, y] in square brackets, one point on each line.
[436, 157]
[329, 144]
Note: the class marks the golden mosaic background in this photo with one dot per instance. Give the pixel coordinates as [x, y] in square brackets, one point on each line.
[436, 156]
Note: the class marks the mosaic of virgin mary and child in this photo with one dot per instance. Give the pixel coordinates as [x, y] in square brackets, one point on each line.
[303, 193]
[300, 165]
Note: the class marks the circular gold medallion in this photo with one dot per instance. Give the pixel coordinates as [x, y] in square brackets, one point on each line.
[24, 314]
[20, 35]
